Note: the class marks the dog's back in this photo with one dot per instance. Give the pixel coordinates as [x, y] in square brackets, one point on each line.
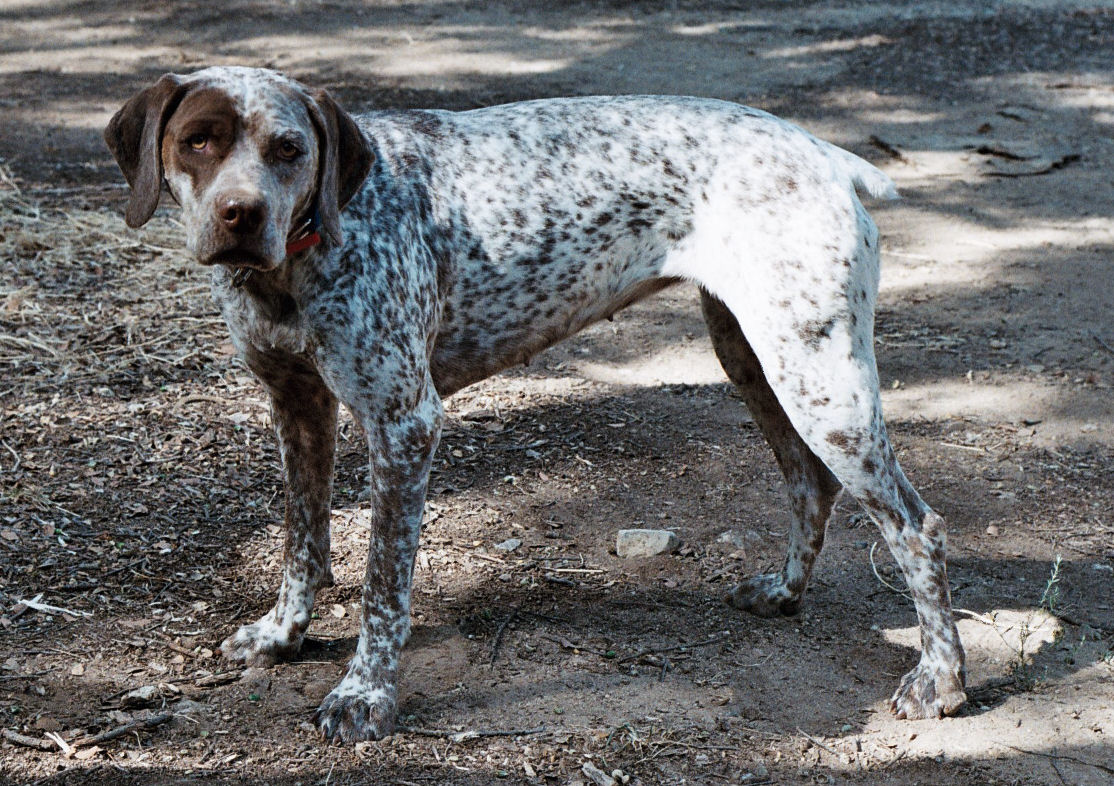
[563, 211]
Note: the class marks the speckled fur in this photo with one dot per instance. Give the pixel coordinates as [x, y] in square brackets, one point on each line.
[478, 239]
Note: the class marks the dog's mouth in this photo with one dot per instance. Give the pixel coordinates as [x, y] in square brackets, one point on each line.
[239, 259]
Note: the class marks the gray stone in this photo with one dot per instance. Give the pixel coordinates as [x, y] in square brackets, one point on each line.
[141, 697]
[645, 542]
[597, 776]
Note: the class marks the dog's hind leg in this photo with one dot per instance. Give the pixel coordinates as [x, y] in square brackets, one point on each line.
[813, 489]
[809, 320]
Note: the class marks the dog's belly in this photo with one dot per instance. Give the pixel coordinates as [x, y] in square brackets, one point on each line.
[521, 309]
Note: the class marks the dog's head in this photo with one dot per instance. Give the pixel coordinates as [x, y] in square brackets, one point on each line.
[249, 155]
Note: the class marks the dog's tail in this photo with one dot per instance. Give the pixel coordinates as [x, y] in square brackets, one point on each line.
[863, 174]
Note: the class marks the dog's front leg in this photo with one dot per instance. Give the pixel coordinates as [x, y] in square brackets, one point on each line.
[305, 415]
[363, 705]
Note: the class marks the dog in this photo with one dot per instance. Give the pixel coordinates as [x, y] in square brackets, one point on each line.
[387, 260]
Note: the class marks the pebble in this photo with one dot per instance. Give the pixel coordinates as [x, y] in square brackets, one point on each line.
[140, 697]
[645, 542]
[596, 775]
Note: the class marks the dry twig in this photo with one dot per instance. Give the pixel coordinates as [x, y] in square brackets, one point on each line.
[674, 648]
[27, 742]
[135, 725]
[471, 734]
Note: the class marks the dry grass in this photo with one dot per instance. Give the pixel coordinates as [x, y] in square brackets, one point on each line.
[77, 301]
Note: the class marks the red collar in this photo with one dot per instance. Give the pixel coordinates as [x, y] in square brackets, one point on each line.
[307, 236]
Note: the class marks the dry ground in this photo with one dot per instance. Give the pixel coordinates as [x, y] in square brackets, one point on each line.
[140, 489]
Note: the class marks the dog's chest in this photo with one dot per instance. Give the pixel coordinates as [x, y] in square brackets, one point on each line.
[271, 322]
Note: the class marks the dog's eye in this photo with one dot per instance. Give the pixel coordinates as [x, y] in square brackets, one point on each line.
[288, 151]
[197, 141]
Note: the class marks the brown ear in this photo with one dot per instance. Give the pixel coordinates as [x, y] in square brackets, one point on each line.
[134, 135]
[345, 159]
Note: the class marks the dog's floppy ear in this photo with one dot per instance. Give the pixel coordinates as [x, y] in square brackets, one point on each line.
[134, 135]
[344, 160]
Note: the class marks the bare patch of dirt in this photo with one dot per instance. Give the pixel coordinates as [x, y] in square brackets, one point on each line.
[140, 499]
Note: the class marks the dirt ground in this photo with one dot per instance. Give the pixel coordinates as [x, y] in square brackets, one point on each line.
[140, 497]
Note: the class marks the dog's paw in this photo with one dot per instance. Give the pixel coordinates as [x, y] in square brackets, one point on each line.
[263, 643]
[347, 717]
[928, 692]
[765, 596]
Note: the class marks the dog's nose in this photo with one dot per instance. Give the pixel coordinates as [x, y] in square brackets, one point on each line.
[241, 214]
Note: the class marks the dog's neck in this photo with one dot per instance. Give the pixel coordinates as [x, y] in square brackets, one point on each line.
[273, 292]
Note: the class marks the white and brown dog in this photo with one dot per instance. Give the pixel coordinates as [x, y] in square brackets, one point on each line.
[387, 260]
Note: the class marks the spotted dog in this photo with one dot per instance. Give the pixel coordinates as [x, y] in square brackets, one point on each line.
[387, 260]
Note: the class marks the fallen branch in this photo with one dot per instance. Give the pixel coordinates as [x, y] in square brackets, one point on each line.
[660, 650]
[471, 734]
[107, 736]
[499, 636]
[27, 742]
[46, 608]
[213, 680]
[817, 742]
[67, 749]
[976, 616]
[1065, 757]
[888, 149]
[6, 677]
[1095, 336]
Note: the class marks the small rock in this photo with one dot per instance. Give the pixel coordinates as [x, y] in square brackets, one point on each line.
[733, 538]
[992, 529]
[44, 723]
[645, 542]
[596, 775]
[140, 697]
[510, 544]
[188, 706]
[191, 708]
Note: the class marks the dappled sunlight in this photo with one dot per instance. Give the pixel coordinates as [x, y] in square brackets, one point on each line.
[1021, 648]
[686, 364]
[943, 251]
[105, 59]
[1016, 400]
[827, 47]
[712, 28]
[996, 641]
[1089, 90]
[429, 63]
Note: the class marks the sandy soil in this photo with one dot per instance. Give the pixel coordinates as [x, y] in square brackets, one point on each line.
[140, 491]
